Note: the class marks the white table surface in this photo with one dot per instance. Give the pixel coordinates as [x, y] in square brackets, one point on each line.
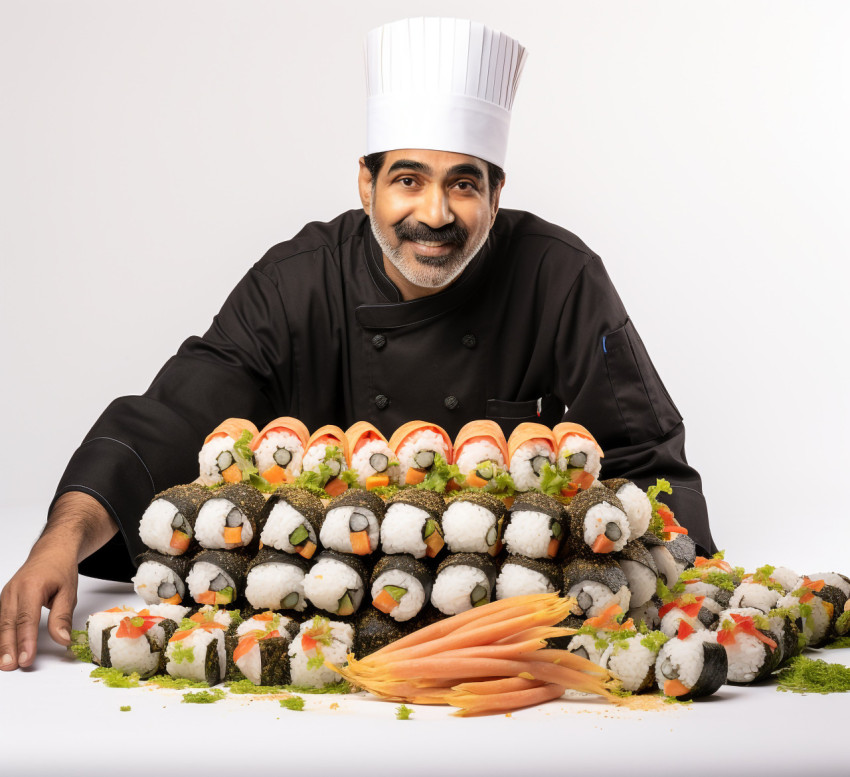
[54, 719]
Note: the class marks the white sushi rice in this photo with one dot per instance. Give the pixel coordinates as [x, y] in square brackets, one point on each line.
[601, 595]
[266, 450]
[686, 656]
[401, 530]
[465, 527]
[672, 618]
[424, 440]
[755, 595]
[210, 474]
[411, 603]
[155, 527]
[137, 654]
[269, 584]
[747, 653]
[473, 453]
[250, 663]
[342, 638]
[316, 454]
[282, 521]
[596, 520]
[574, 444]
[787, 578]
[209, 527]
[199, 640]
[514, 580]
[816, 625]
[201, 575]
[174, 612]
[667, 570]
[453, 586]
[638, 508]
[629, 661]
[223, 617]
[360, 462]
[642, 581]
[148, 578]
[99, 621]
[521, 471]
[328, 580]
[588, 644]
[336, 534]
[528, 534]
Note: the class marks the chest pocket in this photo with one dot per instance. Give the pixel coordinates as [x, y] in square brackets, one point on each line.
[547, 410]
[644, 404]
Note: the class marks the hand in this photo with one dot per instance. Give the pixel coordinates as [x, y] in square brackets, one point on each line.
[47, 579]
[78, 525]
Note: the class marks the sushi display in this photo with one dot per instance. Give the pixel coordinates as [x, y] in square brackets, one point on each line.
[295, 553]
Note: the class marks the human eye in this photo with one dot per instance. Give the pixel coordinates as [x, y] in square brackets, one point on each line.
[467, 186]
[406, 181]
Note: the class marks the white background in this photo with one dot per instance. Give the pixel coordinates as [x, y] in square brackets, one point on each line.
[151, 152]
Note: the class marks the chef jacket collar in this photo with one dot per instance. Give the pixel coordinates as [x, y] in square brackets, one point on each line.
[398, 313]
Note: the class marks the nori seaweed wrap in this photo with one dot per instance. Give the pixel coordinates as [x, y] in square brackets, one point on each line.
[275, 581]
[641, 571]
[597, 517]
[474, 522]
[373, 630]
[538, 526]
[635, 502]
[684, 551]
[292, 521]
[352, 523]
[595, 582]
[218, 576]
[691, 668]
[160, 578]
[258, 649]
[230, 518]
[464, 580]
[413, 523]
[168, 523]
[519, 575]
[336, 583]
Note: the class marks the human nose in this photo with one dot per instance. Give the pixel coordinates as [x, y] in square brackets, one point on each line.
[433, 209]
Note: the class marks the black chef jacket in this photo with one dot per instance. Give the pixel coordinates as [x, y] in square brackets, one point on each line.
[316, 330]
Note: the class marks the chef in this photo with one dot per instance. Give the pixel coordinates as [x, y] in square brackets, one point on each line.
[428, 303]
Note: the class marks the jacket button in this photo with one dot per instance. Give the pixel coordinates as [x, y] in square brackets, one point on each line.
[451, 402]
[379, 341]
[469, 341]
[382, 401]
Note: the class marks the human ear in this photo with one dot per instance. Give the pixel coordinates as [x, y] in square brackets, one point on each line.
[364, 184]
[494, 203]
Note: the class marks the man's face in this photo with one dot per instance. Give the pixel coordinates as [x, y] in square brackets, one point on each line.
[430, 211]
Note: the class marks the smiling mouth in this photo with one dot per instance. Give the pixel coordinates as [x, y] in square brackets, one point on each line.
[431, 248]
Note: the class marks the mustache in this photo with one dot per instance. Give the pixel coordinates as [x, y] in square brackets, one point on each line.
[422, 233]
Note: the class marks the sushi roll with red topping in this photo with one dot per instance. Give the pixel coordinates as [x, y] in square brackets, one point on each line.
[226, 453]
[279, 449]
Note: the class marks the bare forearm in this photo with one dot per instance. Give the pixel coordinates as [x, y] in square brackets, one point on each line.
[78, 525]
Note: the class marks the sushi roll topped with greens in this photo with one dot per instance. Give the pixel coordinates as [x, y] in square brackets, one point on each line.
[419, 446]
[226, 453]
[279, 449]
[579, 457]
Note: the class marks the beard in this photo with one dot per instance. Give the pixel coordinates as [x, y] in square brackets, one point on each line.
[429, 272]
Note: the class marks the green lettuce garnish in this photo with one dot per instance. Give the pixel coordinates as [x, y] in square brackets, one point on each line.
[439, 475]
[501, 483]
[204, 697]
[656, 523]
[79, 646]
[261, 484]
[552, 481]
[244, 455]
[125, 708]
[712, 576]
[842, 625]
[654, 641]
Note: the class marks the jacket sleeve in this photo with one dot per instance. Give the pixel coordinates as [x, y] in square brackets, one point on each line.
[142, 445]
[611, 386]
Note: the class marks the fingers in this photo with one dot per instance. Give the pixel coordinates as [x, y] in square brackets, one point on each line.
[19, 618]
[8, 642]
[61, 613]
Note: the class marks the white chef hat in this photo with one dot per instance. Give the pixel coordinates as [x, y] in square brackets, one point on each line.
[442, 84]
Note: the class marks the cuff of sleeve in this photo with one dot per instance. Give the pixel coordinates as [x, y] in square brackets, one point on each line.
[114, 474]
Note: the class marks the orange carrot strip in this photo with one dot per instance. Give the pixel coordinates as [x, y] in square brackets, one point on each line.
[537, 632]
[384, 602]
[414, 476]
[473, 480]
[207, 597]
[602, 545]
[503, 685]
[176, 599]
[675, 688]
[275, 474]
[434, 544]
[233, 535]
[473, 704]
[232, 474]
[570, 660]
[307, 549]
[179, 541]
[360, 543]
[377, 481]
[335, 486]
[552, 549]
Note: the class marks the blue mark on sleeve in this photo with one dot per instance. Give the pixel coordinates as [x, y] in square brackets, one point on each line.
[604, 349]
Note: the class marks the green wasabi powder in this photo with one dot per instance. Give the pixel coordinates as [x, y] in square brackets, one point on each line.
[177, 683]
[341, 687]
[246, 686]
[293, 703]
[403, 712]
[204, 697]
[126, 708]
[79, 646]
[115, 678]
[804, 675]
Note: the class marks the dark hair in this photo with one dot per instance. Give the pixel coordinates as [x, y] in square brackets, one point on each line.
[374, 163]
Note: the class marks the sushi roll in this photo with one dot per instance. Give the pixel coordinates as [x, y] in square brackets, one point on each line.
[537, 526]
[279, 449]
[635, 502]
[782, 624]
[417, 444]
[755, 595]
[319, 640]
[226, 452]
[481, 454]
[230, 518]
[632, 660]
[259, 650]
[292, 520]
[371, 457]
[520, 575]
[751, 651]
[352, 523]
[640, 570]
[579, 457]
[374, 630]
[819, 605]
[786, 577]
[668, 569]
[137, 644]
[591, 646]
[197, 651]
[680, 616]
[595, 583]
[473, 523]
[336, 583]
[217, 577]
[168, 524]
[684, 552]
[464, 580]
[530, 447]
[597, 518]
[327, 456]
[161, 579]
[275, 581]
[400, 586]
[414, 524]
[691, 668]
[99, 626]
